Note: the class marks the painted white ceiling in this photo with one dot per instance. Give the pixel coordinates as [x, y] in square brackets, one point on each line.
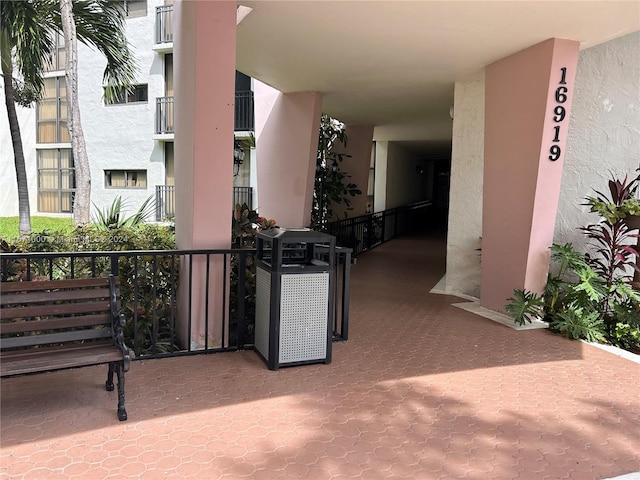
[395, 62]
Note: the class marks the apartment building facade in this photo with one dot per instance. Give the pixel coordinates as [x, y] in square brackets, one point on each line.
[129, 141]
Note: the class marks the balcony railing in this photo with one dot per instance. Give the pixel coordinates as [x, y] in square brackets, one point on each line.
[164, 115]
[166, 200]
[164, 24]
[244, 119]
[154, 282]
[243, 195]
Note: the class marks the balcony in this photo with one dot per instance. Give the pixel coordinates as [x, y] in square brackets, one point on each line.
[243, 116]
[166, 200]
[164, 29]
[164, 118]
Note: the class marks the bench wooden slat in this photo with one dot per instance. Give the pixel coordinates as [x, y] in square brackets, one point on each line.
[53, 338]
[40, 360]
[9, 328]
[7, 299]
[60, 324]
[55, 284]
[57, 309]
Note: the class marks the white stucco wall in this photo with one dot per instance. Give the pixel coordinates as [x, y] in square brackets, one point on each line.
[465, 194]
[604, 131]
[117, 137]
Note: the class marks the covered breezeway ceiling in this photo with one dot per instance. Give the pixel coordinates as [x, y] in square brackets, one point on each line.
[394, 63]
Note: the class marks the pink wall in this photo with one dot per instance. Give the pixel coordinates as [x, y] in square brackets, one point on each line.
[204, 46]
[359, 144]
[286, 145]
[521, 183]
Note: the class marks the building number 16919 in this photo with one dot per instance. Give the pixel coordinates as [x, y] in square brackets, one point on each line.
[559, 114]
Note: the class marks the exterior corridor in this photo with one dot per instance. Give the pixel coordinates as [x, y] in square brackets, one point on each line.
[422, 390]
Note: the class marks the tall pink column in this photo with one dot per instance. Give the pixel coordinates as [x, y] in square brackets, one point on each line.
[287, 128]
[205, 52]
[527, 110]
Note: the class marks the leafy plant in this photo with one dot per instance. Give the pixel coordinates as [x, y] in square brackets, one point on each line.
[575, 323]
[332, 186]
[112, 217]
[590, 296]
[524, 306]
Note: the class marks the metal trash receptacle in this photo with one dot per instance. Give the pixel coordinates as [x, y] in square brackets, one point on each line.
[294, 296]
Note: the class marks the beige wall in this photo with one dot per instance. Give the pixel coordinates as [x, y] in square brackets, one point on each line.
[465, 197]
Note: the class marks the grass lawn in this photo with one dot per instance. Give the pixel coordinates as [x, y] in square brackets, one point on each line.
[9, 226]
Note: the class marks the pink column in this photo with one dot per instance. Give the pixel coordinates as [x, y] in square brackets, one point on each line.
[527, 109]
[287, 142]
[205, 51]
[359, 144]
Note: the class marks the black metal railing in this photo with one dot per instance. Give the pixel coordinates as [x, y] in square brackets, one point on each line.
[165, 202]
[243, 195]
[177, 302]
[368, 231]
[164, 24]
[164, 114]
[243, 116]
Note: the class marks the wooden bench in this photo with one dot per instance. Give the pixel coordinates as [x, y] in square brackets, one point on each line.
[60, 324]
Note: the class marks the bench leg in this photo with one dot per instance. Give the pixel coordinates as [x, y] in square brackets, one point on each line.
[122, 413]
[109, 383]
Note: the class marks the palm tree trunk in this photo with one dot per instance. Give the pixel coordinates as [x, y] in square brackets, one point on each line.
[16, 139]
[82, 200]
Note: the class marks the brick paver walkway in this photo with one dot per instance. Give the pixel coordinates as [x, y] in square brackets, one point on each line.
[422, 390]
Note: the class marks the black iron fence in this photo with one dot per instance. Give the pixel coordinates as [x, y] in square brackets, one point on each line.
[368, 231]
[244, 117]
[177, 302]
[164, 24]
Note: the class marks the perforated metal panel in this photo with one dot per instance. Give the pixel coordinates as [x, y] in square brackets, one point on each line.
[303, 317]
[263, 306]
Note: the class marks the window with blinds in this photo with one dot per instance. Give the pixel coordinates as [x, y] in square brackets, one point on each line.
[56, 180]
[51, 112]
[125, 178]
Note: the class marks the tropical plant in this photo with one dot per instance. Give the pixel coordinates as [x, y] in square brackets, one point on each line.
[612, 236]
[332, 186]
[590, 295]
[246, 224]
[112, 217]
[27, 30]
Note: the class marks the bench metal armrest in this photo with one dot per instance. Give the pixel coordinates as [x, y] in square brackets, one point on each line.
[118, 322]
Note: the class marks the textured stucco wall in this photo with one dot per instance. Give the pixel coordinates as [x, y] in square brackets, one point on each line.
[465, 195]
[117, 137]
[604, 131]
[120, 136]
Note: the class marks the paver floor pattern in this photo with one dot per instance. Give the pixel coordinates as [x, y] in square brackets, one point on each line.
[422, 390]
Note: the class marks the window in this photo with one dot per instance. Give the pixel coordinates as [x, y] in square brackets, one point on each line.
[136, 8]
[125, 178]
[56, 180]
[51, 112]
[139, 94]
[58, 59]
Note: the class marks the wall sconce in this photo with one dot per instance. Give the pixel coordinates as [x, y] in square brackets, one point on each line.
[238, 157]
